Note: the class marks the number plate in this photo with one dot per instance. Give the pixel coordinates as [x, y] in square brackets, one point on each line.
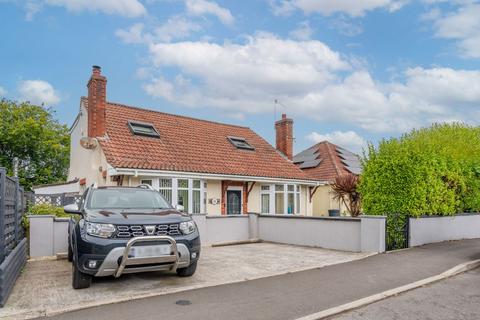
[150, 251]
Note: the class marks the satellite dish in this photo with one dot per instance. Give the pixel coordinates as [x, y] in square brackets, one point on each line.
[88, 143]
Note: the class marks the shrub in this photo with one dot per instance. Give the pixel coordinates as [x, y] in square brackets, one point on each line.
[431, 171]
[44, 209]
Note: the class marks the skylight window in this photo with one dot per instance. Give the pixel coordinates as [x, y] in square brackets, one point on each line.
[240, 143]
[143, 129]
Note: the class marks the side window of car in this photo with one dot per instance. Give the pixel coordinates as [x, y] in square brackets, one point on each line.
[82, 199]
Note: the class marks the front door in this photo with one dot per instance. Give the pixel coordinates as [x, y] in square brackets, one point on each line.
[234, 202]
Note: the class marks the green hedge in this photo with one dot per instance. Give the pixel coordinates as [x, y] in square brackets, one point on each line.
[44, 209]
[431, 171]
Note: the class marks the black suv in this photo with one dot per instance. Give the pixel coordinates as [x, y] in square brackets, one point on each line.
[128, 230]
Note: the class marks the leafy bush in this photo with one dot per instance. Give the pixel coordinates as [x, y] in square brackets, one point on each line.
[431, 171]
[44, 209]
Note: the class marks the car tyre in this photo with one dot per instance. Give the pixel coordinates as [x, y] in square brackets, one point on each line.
[80, 280]
[188, 271]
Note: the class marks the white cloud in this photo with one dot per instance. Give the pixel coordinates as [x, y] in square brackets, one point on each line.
[176, 27]
[349, 140]
[311, 80]
[134, 34]
[126, 8]
[3, 92]
[38, 92]
[345, 27]
[202, 7]
[463, 26]
[303, 31]
[327, 7]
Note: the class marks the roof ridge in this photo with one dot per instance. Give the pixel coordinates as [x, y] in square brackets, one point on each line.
[176, 115]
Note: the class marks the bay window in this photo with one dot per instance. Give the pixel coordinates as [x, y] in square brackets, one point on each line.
[280, 199]
[189, 193]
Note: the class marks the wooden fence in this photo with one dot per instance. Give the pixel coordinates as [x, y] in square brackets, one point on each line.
[13, 245]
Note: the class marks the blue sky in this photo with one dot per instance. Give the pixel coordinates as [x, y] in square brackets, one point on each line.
[346, 71]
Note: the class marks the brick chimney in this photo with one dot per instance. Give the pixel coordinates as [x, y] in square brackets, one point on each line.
[284, 136]
[97, 100]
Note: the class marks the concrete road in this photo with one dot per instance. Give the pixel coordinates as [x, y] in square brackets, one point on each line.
[298, 294]
[457, 298]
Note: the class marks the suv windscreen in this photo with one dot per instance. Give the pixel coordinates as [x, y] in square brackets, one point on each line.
[127, 199]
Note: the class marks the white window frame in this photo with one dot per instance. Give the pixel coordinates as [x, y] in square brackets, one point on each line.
[272, 192]
[174, 188]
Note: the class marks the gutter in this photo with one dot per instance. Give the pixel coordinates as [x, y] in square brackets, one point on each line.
[207, 176]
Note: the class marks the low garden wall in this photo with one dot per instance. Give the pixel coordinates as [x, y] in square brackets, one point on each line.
[365, 234]
[48, 234]
[431, 229]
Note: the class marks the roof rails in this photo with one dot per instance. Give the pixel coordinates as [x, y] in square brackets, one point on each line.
[146, 186]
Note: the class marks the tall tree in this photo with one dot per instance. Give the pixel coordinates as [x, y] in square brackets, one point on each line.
[32, 135]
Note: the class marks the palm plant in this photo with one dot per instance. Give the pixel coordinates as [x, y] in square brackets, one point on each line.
[345, 189]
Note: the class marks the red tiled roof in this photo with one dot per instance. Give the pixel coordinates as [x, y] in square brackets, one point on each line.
[189, 145]
[325, 161]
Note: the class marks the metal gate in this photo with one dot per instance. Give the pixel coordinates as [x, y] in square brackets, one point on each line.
[397, 233]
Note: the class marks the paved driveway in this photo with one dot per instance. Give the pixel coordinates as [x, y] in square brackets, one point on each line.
[45, 286]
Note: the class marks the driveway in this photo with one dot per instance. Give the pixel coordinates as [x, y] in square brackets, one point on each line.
[45, 286]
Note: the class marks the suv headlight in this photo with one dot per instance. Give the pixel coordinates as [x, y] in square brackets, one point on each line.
[187, 227]
[101, 230]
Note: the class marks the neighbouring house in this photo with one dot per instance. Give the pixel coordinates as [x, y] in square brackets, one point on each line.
[69, 187]
[324, 162]
[205, 166]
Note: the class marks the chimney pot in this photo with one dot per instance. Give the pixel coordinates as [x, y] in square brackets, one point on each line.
[284, 116]
[96, 70]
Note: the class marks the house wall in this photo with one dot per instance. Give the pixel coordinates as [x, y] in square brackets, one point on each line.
[214, 192]
[323, 200]
[85, 163]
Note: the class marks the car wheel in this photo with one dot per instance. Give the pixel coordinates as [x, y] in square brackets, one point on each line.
[188, 271]
[80, 280]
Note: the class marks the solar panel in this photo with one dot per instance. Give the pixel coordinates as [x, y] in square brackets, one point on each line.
[308, 158]
[350, 160]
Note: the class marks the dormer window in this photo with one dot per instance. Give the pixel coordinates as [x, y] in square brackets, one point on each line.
[240, 143]
[143, 129]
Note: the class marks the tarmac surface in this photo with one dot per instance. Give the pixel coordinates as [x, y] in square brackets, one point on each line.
[296, 294]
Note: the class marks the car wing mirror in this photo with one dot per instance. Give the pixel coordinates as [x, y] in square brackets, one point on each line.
[179, 207]
[71, 209]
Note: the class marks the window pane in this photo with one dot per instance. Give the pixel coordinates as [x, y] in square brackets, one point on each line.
[183, 199]
[196, 184]
[165, 183]
[279, 187]
[167, 193]
[196, 201]
[265, 203]
[149, 182]
[291, 203]
[265, 188]
[183, 183]
[291, 187]
[279, 203]
[298, 203]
